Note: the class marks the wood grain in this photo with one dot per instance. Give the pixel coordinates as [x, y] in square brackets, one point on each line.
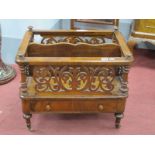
[74, 74]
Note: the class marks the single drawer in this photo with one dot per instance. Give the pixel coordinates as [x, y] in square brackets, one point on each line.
[77, 106]
[145, 25]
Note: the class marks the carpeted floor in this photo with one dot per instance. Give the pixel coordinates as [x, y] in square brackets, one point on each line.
[139, 114]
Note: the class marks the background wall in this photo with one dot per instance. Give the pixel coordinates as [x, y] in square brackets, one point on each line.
[14, 29]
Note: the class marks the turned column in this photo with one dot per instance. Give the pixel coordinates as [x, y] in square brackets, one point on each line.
[123, 74]
[24, 68]
[7, 73]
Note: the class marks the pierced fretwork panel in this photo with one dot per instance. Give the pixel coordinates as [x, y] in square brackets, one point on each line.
[74, 40]
[73, 78]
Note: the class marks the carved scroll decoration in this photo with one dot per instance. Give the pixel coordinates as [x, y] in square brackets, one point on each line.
[73, 78]
[73, 40]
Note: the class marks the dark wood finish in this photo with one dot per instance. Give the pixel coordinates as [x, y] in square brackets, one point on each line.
[73, 72]
[84, 50]
[78, 106]
[143, 30]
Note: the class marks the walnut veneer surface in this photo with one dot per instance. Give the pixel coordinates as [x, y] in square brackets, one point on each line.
[73, 72]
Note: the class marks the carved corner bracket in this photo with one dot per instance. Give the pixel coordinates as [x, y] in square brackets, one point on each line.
[25, 69]
[24, 73]
[123, 73]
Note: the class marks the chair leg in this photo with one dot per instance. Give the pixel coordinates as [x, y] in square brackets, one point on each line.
[118, 117]
[132, 44]
[27, 118]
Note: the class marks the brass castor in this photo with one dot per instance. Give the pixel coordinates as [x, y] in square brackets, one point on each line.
[27, 118]
[118, 117]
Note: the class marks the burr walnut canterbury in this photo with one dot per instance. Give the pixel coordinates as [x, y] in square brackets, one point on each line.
[73, 71]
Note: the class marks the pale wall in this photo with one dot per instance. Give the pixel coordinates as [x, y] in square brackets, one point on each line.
[15, 28]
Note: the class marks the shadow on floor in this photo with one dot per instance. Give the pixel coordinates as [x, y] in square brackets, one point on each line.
[144, 58]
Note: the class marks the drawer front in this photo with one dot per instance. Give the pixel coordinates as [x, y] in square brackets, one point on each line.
[77, 106]
[145, 25]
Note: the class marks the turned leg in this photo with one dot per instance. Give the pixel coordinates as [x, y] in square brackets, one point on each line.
[118, 117]
[27, 118]
[132, 44]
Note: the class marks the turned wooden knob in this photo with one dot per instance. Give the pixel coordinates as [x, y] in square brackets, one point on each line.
[30, 28]
[100, 107]
[48, 107]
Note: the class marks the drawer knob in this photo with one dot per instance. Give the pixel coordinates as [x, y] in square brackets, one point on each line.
[100, 107]
[48, 107]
